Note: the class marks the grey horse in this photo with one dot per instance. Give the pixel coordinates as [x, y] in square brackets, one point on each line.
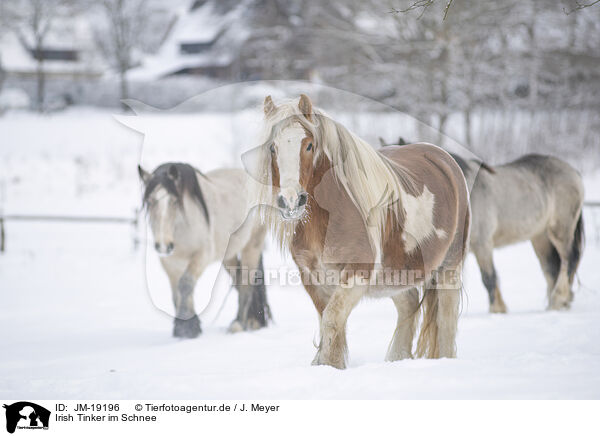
[197, 219]
[537, 198]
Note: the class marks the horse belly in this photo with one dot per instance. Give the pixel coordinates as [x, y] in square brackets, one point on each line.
[514, 227]
[378, 291]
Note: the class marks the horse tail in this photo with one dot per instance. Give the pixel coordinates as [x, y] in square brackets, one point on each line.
[259, 309]
[488, 168]
[576, 247]
[427, 345]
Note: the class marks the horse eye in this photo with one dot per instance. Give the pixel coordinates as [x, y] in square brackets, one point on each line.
[309, 148]
[272, 148]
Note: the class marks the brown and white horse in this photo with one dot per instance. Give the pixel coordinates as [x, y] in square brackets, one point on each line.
[548, 213]
[364, 223]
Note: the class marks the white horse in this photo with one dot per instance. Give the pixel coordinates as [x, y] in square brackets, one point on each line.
[198, 219]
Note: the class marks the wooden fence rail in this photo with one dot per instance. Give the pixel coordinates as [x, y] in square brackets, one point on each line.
[64, 218]
[108, 219]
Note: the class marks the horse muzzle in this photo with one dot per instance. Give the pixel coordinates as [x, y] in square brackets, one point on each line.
[164, 250]
[292, 207]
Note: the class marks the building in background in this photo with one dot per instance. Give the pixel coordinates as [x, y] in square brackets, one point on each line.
[214, 40]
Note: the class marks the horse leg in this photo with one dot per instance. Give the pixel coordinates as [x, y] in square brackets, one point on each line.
[187, 323]
[440, 319]
[407, 304]
[174, 274]
[560, 294]
[233, 267]
[549, 260]
[175, 269]
[313, 282]
[318, 297]
[332, 347]
[253, 310]
[485, 261]
[441, 301]
[447, 320]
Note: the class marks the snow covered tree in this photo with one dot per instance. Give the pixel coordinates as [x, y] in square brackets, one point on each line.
[32, 20]
[123, 32]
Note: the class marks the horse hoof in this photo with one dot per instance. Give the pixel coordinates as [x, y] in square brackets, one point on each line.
[398, 355]
[498, 307]
[235, 327]
[187, 328]
[563, 305]
[494, 309]
[253, 324]
[319, 360]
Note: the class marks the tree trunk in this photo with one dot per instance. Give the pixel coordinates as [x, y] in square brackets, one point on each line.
[41, 83]
[468, 139]
[442, 129]
[444, 112]
[124, 88]
[2, 78]
[535, 61]
[2, 74]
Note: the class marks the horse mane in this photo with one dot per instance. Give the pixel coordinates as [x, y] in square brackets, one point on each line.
[533, 160]
[375, 184]
[487, 167]
[464, 164]
[185, 181]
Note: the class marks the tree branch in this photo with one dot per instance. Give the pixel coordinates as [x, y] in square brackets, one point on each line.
[579, 6]
[424, 5]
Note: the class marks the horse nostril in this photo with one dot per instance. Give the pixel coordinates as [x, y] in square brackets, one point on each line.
[281, 202]
[302, 198]
[170, 247]
[157, 246]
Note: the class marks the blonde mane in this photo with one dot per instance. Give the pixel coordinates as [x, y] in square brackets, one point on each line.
[376, 185]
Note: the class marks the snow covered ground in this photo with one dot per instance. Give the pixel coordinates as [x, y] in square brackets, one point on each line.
[78, 320]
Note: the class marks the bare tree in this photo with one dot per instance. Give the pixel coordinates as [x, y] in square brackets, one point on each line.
[578, 6]
[423, 5]
[122, 34]
[33, 20]
[3, 26]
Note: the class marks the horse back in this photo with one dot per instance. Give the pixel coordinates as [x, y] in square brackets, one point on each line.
[439, 182]
[523, 198]
[433, 167]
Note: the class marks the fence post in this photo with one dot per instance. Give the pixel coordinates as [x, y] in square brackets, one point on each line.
[2, 235]
[135, 228]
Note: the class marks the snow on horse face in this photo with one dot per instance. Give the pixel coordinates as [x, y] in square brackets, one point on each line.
[343, 208]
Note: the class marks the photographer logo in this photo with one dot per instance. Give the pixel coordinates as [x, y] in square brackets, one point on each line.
[24, 415]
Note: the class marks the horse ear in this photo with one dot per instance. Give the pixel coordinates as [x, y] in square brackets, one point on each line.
[305, 106]
[269, 106]
[173, 172]
[144, 175]
[381, 141]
